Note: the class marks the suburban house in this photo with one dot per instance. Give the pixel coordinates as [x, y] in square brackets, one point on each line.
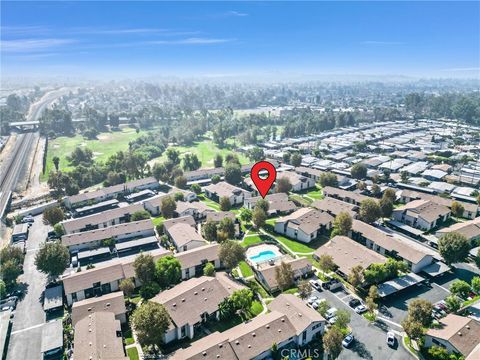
[110, 192]
[304, 225]
[99, 336]
[197, 209]
[470, 229]
[470, 210]
[457, 334]
[191, 303]
[122, 232]
[290, 323]
[334, 207]
[235, 195]
[347, 254]
[309, 172]
[189, 220]
[278, 204]
[103, 278]
[344, 195]
[193, 261]
[267, 275]
[299, 182]
[202, 174]
[113, 302]
[217, 216]
[101, 220]
[391, 244]
[422, 214]
[184, 237]
[154, 204]
[187, 194]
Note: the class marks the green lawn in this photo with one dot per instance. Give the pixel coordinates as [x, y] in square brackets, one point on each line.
[251, 240]
[299, 247]
[128, 337]
[206, 151]
[304, 201]
[133, 353]
[158, 220]
[256, 287]
[245, 269]
[291, 291]
[256, 308]
[210, 203]
[105, 145]
[315, 194]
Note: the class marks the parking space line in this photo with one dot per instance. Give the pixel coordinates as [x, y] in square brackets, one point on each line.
[26, 329]
[389, 321]
[441, 287]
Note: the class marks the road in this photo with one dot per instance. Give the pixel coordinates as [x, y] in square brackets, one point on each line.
[47, 99]
[26, 335]
[370, 338]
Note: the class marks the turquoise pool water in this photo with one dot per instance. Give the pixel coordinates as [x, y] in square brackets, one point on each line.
[263, 256]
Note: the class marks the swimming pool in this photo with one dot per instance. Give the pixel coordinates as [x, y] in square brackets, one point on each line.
[263, 256]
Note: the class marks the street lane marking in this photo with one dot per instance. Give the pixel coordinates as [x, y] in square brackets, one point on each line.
[26, 329]
[441, 287]
[389, 321]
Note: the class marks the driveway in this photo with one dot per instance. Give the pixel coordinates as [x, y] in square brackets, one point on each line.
[26, 335]
[370, 338]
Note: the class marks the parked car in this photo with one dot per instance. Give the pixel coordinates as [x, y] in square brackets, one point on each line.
[332, 320]
[353, 303]
[317, 303]
[52, 235]
[28, 219]
[360, 309]
[391, 338]
[349, 339]
[331, 313]
[316, 285]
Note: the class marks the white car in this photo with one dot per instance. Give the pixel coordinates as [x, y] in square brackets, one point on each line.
[390, 338]
[312, 299]
[348, 340]
[316, 285]
[317, 303]
[330, 313]
[360, 309]
[332, 320]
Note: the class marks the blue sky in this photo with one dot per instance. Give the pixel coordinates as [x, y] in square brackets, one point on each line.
[215, 38]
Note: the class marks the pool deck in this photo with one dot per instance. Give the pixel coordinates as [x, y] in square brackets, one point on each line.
[256, 250]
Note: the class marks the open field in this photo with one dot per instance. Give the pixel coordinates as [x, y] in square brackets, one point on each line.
[205, 151]
[105, 145]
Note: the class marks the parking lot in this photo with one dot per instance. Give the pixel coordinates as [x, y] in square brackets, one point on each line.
[370, 339]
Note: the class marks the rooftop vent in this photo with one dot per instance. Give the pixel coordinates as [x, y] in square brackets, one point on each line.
[268, 326]
[459, 333]
[468, 327]
[253, 334]
[183, 300]
[204, 353]
[107, 304]
[174, 304]
[195, 293]
[237, 342]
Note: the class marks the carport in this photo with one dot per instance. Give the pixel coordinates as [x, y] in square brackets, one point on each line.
[52, 338]
[436, 269]
[398, 284]
[53, 298]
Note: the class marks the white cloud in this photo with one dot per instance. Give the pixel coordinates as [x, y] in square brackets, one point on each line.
[31, 45]
[235, 13]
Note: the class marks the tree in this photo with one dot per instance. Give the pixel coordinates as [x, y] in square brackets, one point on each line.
[12, 253]
[477, 259]
[216, 179]
[304, 289]
[56, 162]
[283, 185]
[10, 271]
[359, 171]
[285, 276]
[296, 159]
[178, 196]
[81, 156]
[140, 215]
[181, 182]
[343, 319]
[127, 286]
[191, 162]
[231, 253]
[196, 188]
[453, 303]
[242, 300]
[173, 155]
[476, 284]
[342, 223]
[144, 267]
[390, 194]
[386, 207]
[225, 203]
[460, 288]
[160, 229]
[328, 179]
[168, 271]
[453, 247]
[325, 262]
[375, 190]
[149, 290]
[404, 176]
[245, 215]
[356, 276]
[413, 328]
[439, 353]
[227, 226]
[332, 342]
[259, 218]
[168, 207]
[369, 211]
[420, 310]
[262, 204]
[52, 258]
[256, 154]
[150, 322]
[457, 209]
[3, 289]
[58, 228]
[209, 269]
[209, 230]
[371, 300]
[218, 161]
[233, 173]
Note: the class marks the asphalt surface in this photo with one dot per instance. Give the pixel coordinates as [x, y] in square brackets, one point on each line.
[370, 339]
[26, 336]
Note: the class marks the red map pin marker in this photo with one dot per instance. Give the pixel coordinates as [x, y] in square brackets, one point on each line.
[263, 185]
